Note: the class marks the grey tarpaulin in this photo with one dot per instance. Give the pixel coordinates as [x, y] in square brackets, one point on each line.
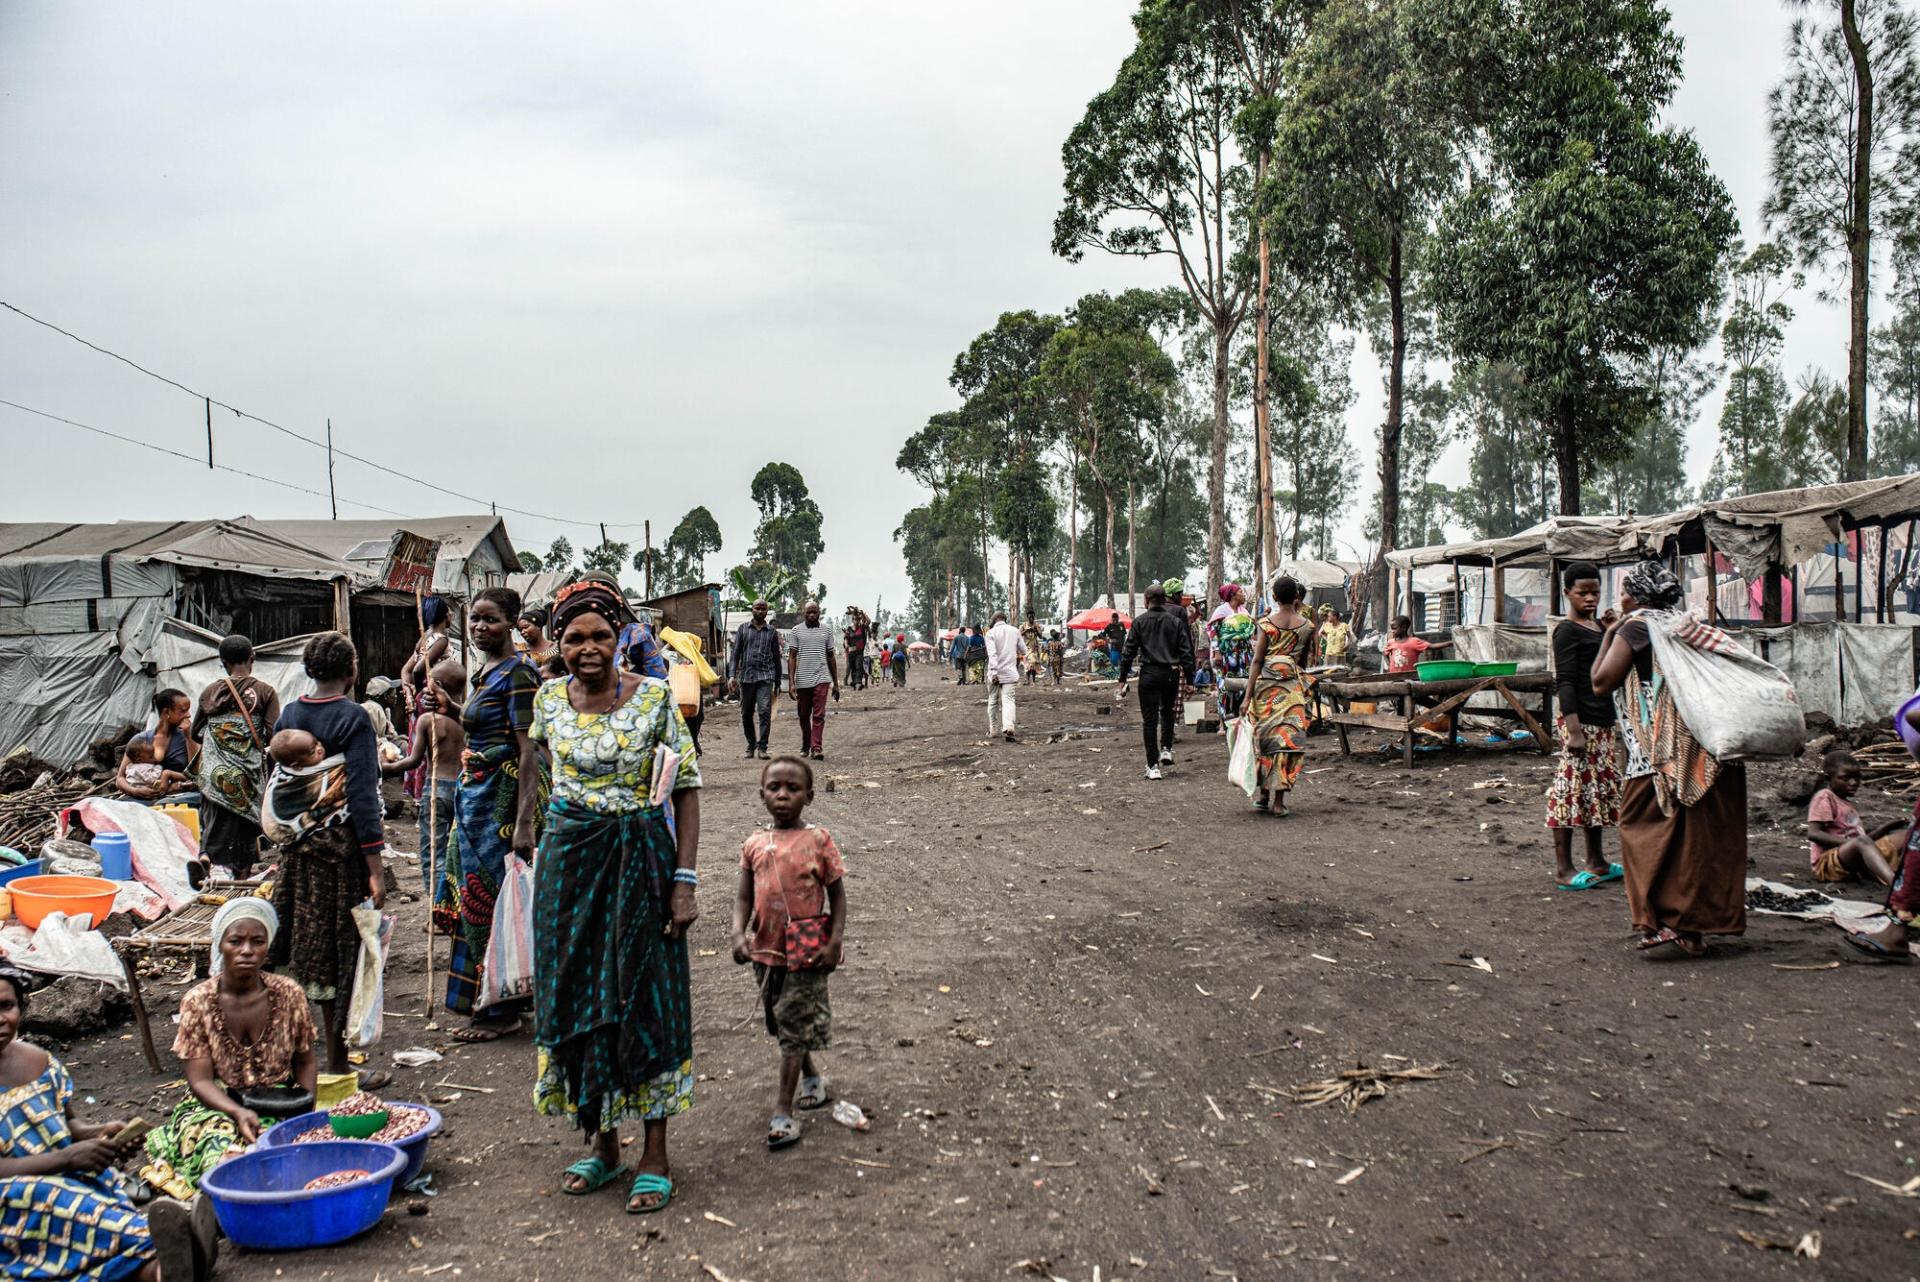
[1809, 654]
[1876, 666]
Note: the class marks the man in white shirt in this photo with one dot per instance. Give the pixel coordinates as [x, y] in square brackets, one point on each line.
[1004, 651]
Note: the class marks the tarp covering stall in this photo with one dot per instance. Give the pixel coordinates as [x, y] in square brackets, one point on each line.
[475, 551]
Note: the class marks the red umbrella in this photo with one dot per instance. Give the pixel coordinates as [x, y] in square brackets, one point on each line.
[1094, 618]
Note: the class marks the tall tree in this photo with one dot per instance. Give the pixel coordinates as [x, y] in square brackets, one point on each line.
[1652, 475]
[1368, 146]
[1511, 484]
[683, 561]
[1153, 169]
[1310, 385]
[604, 558]
[1751, 338]
[530, 563]
[787, 541]
[1606, 232]
[1896, 374]
[1846, 160]
[559, 555]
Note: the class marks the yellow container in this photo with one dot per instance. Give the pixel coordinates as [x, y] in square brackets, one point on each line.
[188, 816]
[334, 1088]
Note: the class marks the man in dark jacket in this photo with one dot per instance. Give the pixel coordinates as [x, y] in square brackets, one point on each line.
[1162, 644]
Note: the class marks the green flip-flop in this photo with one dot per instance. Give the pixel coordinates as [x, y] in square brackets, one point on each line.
[647, 1182]
[1585, 879]
[597, 1174]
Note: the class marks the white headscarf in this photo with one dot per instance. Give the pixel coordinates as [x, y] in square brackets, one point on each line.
[245, 908]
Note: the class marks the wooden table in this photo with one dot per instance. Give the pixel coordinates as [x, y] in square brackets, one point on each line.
[1426, 700]
[186, 933]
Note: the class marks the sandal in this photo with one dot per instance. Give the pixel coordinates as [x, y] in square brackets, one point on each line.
[1657, 939]
[1875, 949]
[594, 1174]
[813, 1093]
[782, 1132]
[1691, 947]
[1614, 872]
[647, 1184]
[1585, 879]
[379, 1079]
[473, 1034]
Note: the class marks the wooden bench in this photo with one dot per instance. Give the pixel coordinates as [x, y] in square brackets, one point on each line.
[1426, 701]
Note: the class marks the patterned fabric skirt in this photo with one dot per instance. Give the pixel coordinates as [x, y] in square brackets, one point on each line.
[476, 863]
[1585, 792]
[613, 1007]
[1687, 870]
[1278, 707]
[323, 876]
[191, 1143]
[58, 1227]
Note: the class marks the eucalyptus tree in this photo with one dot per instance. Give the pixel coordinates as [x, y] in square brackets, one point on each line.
[1153, 169]
[1846, 159]
[1751, 338]
[1896, 375]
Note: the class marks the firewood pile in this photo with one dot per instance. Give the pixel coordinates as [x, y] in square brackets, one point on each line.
[1888, 767]
[32, 795]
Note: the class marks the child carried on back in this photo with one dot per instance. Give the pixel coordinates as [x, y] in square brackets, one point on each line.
[788, 919]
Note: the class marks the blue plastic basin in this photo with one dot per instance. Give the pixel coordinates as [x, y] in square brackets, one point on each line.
[414, 1146]
[262, 1201]
[31, 868]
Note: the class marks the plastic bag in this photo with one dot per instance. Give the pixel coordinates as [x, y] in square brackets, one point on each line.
[1736, 704]
[508, 970]
[366, 1012]
[1243, 755]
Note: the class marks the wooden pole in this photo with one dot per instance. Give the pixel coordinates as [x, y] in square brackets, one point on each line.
[1840, 586]
[647, 529]
[1770, 597]
[1713, 587]
[1499, 593]
[332, 503]
[1859, 572]
[1880, 582]
[420, 618]
[208, 401]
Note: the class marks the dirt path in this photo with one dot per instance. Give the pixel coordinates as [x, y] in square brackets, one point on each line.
[1072, 998]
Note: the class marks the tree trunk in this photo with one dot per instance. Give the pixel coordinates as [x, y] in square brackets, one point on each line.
[1566, 460]
[1859, 244]
[1391, 429]
[1108, 490]
[1013, 584]
[1133, 549]
[1217, 464]
[1073, 528]
[1263, 413]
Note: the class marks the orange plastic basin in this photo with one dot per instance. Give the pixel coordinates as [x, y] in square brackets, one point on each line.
[35, 897]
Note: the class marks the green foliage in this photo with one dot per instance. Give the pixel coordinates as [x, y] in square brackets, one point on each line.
[1652, 475]
[1896, 372]
[1603, 235]
[530, 563]
[1512, 475]
[787, 541]
[559, 555]
[1310, 390]
[605, 558]
[1751, 338]
[775, 588]
[682, 563]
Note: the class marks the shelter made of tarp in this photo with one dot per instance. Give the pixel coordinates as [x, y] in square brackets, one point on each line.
[1096, 617]
[1561, 538]
[475, 551]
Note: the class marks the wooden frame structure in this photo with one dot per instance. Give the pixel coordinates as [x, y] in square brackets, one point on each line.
[1424, 701]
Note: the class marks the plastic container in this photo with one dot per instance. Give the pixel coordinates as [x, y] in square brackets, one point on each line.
[357, 1126]
[1445, 670]
[188, 817]
[262, 1201]
[278, 1101]
[35, 897]
[1495, 669]
[116, 855]
[334, 1088]
[414, 1146]
[31, 868]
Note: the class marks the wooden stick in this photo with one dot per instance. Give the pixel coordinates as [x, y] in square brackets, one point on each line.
[433, 845]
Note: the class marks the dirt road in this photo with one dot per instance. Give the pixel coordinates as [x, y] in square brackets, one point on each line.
[1073, 1000]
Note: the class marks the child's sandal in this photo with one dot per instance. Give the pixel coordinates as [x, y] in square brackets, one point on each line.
[782, 1132]
[812, 1093]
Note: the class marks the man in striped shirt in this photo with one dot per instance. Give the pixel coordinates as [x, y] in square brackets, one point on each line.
[810, 674]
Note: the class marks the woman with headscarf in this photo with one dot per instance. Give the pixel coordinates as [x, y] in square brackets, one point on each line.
[1230, 641]
[613, 897]
[240, 1031]
[503, 786]
[534, 645]
[330, 824]
[232, 724]
[1277, 695]
[1683, 814]
[65, 1212]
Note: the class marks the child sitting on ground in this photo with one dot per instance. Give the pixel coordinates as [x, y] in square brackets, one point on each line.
[1838, 844]
[791, 873]
[143, 770]
[296, 749]
[438, 740]
[1404, 650]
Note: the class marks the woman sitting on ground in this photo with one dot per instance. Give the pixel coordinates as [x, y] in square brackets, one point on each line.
[64, 1211]
[162, 752]
[239, 1031]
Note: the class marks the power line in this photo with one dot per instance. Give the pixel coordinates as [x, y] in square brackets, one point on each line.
[409, 477]
[193, 459]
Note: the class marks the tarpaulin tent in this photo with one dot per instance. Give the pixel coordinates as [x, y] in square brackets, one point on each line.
[1094, 618]
[94, 617]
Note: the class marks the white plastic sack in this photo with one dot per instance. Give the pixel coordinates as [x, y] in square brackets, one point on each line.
[162, 846]
[1736, 704]
[66, 945]
[1243, 755]
[366, 1012]
[507, 972]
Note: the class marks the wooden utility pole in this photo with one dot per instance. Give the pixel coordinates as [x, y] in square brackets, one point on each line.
[332, 503]
[646, 528]
[1133, 544]
[209, 404]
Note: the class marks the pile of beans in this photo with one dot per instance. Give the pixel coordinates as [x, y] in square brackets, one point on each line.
[335, 1180]
[358, 1104]
[403, 1122]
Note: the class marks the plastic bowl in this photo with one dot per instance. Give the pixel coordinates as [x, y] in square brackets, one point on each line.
[262, 1201]
[357, 1126]
[414, 1146]
[278, 1101]
[1495, 669]
[1445, 670]
[35, 897]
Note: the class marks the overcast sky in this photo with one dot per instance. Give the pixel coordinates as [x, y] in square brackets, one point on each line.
[600, 262]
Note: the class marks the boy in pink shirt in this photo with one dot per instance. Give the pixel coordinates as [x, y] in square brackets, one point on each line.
[1838, 844]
